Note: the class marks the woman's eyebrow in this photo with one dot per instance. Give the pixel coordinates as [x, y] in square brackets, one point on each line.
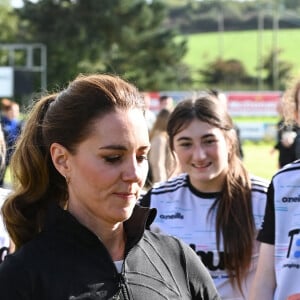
[121, 147]
[113, 147]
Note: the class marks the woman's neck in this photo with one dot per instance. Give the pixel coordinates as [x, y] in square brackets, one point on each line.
[115, 242]
[113, 236]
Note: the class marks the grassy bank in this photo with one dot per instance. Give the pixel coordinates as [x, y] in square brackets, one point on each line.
[242, 45]
[258, 159]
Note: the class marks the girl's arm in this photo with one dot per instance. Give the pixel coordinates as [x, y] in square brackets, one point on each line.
[264, 283]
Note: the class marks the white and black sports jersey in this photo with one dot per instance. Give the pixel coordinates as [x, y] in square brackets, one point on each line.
[4, 237]
[281, 228]
[183, 211]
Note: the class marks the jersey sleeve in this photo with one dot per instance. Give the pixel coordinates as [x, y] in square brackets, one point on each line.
[267, 231]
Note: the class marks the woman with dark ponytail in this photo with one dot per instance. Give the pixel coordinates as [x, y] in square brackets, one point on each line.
[78, 170]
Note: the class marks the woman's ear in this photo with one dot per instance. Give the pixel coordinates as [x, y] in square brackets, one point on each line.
[60, 155]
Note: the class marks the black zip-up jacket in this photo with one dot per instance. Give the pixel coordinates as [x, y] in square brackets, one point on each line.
[66, 261]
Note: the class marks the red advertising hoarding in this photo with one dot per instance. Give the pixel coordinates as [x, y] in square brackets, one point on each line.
[239, 103]
[253, 103]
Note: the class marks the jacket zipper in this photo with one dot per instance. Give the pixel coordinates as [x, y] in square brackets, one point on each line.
[123, 286]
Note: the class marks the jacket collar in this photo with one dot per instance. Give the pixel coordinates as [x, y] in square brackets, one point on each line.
[141, 219]
[60, 220]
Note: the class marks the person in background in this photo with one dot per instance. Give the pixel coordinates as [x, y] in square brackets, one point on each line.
[292, 107]
[150, 119]
[166, 102]
[278, 270]
[149, 114]
[224, 102]
[160, 157]
[286, 137]
[5, 243]
[11, 125]
[79, 167]
[215, 206]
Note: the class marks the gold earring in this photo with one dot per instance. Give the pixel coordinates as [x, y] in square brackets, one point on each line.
[67, 179]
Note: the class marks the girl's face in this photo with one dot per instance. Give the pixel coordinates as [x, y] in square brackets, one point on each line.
[203, 154]
[108, 170]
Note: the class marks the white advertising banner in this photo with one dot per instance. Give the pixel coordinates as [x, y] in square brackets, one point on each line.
[257, 131]
[6, 82]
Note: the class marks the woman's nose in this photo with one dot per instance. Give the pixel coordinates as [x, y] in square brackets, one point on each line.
[132, 172]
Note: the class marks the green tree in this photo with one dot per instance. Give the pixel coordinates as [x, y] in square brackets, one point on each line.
[223, 72]
[126, 37]
[8, 29]
[8, 22]
[293, 5]
[277, 70]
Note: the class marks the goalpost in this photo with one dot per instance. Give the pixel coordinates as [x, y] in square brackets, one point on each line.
[22, 58]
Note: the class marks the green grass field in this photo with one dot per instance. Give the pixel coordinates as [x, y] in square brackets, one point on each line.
[258, 159]
[241, 45]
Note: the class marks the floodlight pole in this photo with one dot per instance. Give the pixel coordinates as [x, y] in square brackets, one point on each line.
[221, 30]
[260, 26]
[275, 45]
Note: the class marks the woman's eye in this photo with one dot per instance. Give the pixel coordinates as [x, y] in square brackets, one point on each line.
[142, 158]
[112, 159]
[185, 145]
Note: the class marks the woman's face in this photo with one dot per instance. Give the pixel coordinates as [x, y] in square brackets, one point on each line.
[203, 154]
[109, 169]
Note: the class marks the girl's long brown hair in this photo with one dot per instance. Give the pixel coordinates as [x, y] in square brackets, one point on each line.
[234, 217]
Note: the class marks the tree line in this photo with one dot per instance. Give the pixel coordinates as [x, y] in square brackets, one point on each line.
[136, 39]
[211, 15]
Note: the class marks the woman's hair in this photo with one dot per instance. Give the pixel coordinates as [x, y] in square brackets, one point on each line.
[161, 121]
[295, 94]
[66, 118]
[291, 101]
[234, 219]
[2, 153]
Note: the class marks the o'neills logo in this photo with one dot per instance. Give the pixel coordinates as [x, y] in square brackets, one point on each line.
[291, 199]
[173, 216]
